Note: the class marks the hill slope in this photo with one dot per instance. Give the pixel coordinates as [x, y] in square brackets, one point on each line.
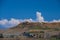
[28, 26]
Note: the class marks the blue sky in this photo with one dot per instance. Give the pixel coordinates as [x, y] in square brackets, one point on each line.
[21, 9]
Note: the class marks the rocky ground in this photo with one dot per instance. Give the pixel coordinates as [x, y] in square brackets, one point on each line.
[51, 28]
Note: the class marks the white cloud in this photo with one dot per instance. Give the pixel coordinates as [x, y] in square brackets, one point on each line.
[39, 17]
[55, 21]
[3, 22]
[28, 20]
[9, 23]
[13, 22]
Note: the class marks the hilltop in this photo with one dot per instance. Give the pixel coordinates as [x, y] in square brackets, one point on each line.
[36, 25]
